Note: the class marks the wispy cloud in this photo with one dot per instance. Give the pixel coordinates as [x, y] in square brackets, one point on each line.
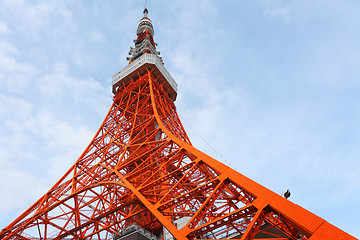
[4, 30]
[97, 37]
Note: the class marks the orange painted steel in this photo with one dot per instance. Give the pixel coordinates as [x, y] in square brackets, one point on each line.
[142, 168]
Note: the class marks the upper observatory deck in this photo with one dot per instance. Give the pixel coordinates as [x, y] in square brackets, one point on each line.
[144, 57]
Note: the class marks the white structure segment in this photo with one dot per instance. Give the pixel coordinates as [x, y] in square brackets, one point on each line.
[146, 61]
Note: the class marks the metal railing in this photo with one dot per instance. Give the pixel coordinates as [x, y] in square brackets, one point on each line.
[145, 58]
[135, 228]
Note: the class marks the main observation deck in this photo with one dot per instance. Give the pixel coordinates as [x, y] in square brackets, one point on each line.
[140, 66]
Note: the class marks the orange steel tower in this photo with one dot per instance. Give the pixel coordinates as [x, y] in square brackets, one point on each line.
[141, 170]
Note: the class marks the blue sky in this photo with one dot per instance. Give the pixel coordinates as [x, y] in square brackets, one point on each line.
[271, 88]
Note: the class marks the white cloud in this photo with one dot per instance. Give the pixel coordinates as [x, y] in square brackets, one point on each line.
[12, 107]
[7, 48]
[97, 37]
[21, 189]
[4, 28]
[278, 9]
[65, 141]
[36, 148]
[282, 12]
[34, 17]
[38, 21]
[15, 74]
[61, 85]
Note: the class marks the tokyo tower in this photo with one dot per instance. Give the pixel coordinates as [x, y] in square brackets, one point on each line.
[141, 178]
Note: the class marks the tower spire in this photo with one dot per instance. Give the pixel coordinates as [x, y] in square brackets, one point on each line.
[144, 43]
[145, 12]
[145, 23]
[144, 57]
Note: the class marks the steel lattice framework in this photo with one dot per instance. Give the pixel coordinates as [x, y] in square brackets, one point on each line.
[142, 168]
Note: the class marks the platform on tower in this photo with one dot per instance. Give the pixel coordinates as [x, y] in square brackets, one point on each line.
[135, 232]
[139, 67]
